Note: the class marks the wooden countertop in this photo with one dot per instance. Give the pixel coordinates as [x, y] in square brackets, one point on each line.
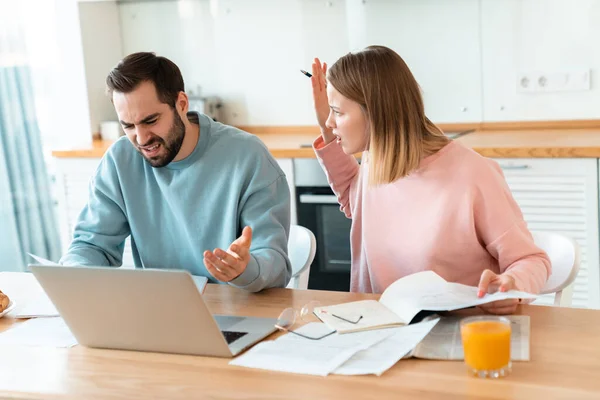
[508, 143]
[565, 358]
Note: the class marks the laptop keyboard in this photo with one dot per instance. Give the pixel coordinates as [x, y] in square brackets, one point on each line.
[231, 337]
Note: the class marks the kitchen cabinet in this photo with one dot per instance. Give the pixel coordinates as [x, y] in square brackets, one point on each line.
[73, 177]
[561, 195]
[287, 165]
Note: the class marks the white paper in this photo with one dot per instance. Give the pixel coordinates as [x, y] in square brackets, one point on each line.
[444, 341]
[456, 296]
[49, 332]
[200, 282]
[42, 261]
[428, 291]
[35, 307]
[362, 340]
[280, 356]
[369, 314]
[27, 293]
[385, 354]
[292, 353]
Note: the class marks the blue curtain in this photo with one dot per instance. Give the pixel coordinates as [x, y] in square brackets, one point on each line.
[27, 219]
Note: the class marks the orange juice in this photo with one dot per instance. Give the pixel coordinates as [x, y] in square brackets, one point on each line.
[486, 343]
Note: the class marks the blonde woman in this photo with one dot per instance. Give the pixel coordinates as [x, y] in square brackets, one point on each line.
[417, 201]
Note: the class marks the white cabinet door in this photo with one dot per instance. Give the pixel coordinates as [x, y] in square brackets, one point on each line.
[73, 177]
[561, 195]
[287, 165]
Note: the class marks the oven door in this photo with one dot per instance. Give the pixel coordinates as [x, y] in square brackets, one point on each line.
[319, 211]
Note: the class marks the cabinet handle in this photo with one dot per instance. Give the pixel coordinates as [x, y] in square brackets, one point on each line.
[515, 166]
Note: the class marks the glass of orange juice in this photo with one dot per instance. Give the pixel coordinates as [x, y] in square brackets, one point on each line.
[486, 344]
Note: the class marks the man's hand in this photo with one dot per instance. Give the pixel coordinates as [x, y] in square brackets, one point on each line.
[225, 266]
[490, 283]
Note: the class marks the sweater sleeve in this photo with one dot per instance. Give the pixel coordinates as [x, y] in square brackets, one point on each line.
[341, 170]
[267, 211]
[264, 205]
[500, 226]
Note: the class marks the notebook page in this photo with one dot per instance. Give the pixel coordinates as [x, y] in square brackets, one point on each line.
[428, 291]
[368, 314]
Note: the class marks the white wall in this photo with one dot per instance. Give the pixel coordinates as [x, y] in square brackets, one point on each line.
[440, 42]
[467, 55]
[182, 31]
[102, 50]
[546, 36]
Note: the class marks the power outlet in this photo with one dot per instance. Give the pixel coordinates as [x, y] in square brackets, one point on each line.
[559, 81]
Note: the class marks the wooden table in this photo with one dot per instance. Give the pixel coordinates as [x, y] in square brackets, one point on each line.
[565, 353]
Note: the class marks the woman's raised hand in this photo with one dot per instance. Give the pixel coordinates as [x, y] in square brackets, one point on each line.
[321, 103]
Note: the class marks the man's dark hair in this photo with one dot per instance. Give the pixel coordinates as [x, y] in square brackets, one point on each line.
[145, 66]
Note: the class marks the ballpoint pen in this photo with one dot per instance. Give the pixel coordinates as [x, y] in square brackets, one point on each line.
[306, 73]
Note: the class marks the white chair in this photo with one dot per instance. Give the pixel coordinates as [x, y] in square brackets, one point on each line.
[564, 254]
[302, 246]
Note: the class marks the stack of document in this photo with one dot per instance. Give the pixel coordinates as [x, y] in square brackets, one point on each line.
[372, 351]
[444, 341]
[361, 345]
[369, 352]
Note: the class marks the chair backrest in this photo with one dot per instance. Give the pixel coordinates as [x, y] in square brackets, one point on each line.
[564, 254]
[302, 246]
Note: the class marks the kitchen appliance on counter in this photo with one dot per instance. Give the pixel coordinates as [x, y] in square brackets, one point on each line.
[211, 106]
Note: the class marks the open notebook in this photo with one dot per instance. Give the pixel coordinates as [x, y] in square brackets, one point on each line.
[404, 299]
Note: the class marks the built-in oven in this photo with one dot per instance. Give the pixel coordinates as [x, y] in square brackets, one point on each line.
[319, 211]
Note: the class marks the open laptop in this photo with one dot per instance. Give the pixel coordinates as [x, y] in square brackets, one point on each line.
[146, 310]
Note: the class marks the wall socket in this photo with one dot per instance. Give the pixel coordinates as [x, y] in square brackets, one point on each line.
[556, 81]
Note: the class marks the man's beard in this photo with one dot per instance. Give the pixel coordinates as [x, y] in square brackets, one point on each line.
[169, 147]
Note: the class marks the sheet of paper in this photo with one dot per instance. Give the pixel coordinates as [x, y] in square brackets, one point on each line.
[385, 354]
[200, 282]
[35, 307]
[48, 332]
[413, 285]
[28, 295]
[280, 356]
[42, 261]
[444, 341]
[292, 353]
[400, 297]
[454, 296]
[428, 291]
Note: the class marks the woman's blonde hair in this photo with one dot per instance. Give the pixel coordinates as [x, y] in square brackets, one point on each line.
[379, 80]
